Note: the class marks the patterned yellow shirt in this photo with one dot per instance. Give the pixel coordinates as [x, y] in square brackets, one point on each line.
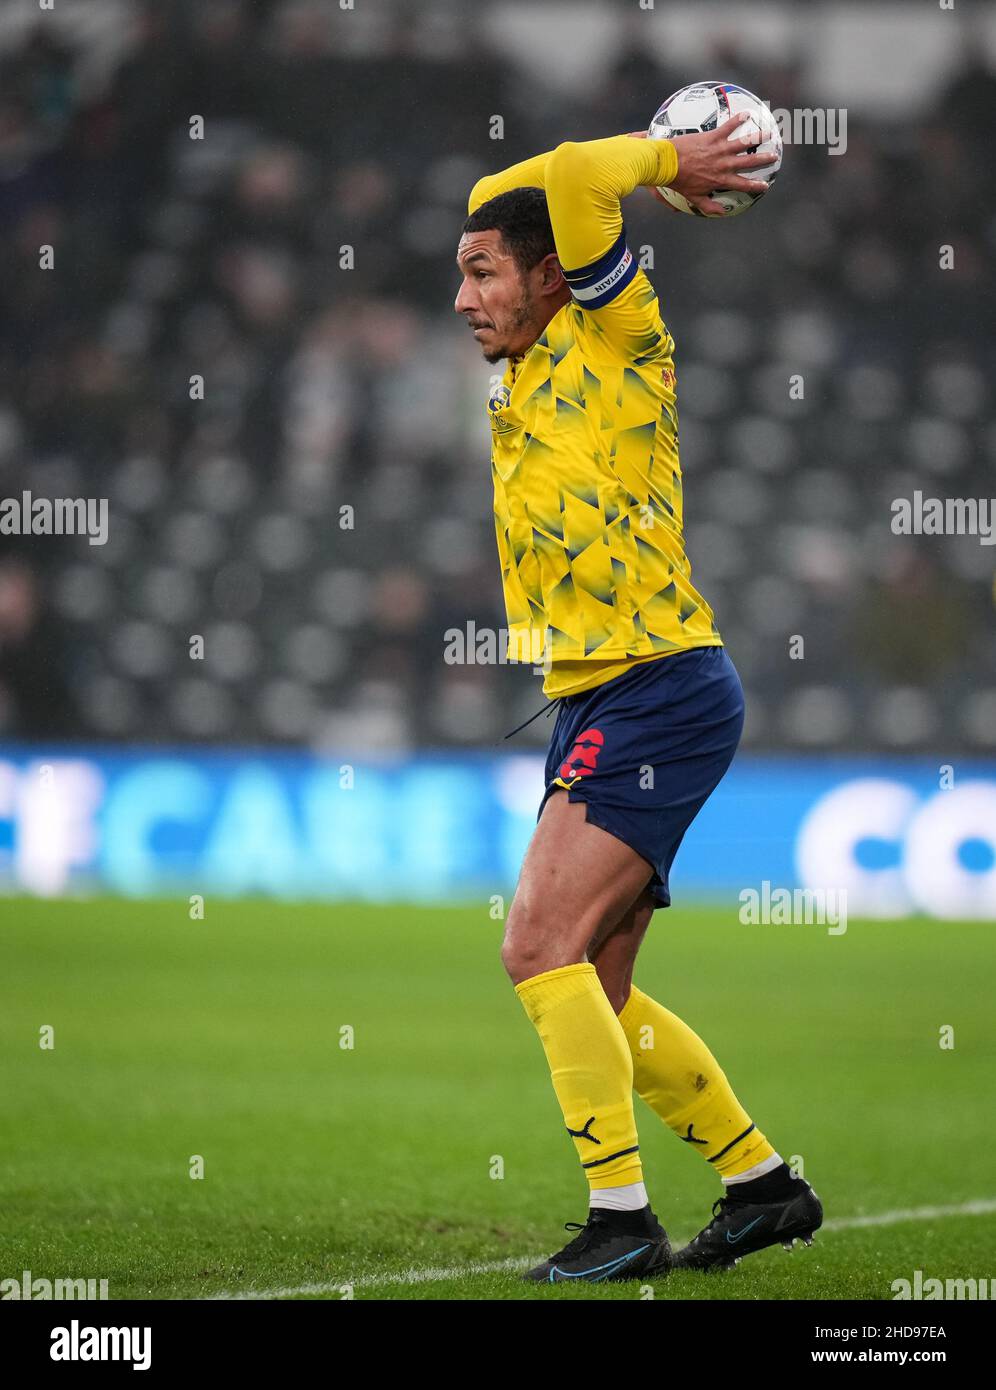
[588, 507]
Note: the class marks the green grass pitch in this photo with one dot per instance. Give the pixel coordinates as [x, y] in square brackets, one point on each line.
[372, 1166]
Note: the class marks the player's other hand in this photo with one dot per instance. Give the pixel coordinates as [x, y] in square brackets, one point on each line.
[716, 160]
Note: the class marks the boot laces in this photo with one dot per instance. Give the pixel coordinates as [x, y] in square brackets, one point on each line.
[588, 1229]
[721, 1209]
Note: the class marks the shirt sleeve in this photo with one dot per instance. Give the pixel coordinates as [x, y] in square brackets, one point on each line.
[584, 184]
[531, 173]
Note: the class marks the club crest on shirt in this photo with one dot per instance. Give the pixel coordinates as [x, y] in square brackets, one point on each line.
[497, 402]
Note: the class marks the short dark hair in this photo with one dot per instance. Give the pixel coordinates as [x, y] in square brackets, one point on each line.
[523, 219]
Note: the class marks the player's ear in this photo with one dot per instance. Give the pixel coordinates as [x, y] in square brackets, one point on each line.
[553, 276]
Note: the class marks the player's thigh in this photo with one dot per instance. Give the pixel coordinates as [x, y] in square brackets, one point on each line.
[577, 880]
[613, 951]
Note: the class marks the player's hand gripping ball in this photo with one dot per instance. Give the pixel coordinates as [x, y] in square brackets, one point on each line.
[706, 106]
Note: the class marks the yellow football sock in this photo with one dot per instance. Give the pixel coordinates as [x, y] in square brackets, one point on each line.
[592, 1070]
[681, 1080]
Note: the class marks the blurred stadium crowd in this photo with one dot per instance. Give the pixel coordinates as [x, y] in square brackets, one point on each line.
[328, 388]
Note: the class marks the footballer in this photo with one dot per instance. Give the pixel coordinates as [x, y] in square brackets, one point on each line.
[649, 707]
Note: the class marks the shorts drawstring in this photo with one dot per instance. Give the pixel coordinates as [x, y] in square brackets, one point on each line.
[544, 709]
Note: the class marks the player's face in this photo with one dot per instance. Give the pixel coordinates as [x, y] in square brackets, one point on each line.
[496, 297]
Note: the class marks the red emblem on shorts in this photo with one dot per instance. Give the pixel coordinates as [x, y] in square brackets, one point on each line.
[581, 760]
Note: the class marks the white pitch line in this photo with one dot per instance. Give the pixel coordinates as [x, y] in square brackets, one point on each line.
[406, 1276]
[981, 1207]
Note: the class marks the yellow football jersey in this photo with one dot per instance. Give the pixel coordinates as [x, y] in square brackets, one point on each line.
[588, 507]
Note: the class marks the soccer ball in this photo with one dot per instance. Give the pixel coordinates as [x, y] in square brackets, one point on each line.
[704, 106]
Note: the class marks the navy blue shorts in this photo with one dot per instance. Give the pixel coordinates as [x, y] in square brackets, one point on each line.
[645, 750]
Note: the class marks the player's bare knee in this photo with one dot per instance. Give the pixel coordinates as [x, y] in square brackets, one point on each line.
[525, 953]
[523, 960]
[535, 942]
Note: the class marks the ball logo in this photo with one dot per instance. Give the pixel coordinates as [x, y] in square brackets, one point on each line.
[581, 760]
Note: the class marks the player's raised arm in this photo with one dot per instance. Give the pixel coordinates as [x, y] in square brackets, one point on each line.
[585, 182]
[584, 185]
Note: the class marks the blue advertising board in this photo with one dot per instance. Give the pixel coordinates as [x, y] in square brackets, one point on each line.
[899, 836]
